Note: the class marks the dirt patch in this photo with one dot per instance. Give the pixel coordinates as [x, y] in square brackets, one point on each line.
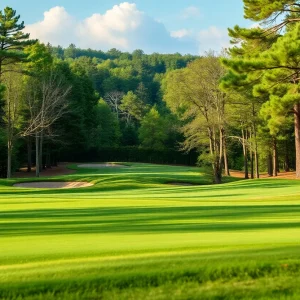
[100, 166]
[52, 185]
[60, 170]
[281, 175]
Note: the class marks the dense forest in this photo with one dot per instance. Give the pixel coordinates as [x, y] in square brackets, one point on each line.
[227, 111]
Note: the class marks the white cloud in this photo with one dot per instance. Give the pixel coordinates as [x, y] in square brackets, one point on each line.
[213, 38]
[182, 33]
[113, 28]
[191, 12]
[123, 27]
[57, 27]
[126, 28]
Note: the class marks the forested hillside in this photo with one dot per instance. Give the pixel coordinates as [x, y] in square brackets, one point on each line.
[226, 111]
[112, 106]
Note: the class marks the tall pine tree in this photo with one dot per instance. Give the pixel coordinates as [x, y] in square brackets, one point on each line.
[273, 71]
[12, 39]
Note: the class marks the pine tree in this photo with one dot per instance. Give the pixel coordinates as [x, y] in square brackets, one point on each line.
[12, 44]
[272, 66]
[269, 11]
[12, 39]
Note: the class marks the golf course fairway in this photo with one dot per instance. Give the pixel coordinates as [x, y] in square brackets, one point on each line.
[137, 233]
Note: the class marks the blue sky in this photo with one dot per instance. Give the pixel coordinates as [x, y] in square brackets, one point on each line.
[186, 26]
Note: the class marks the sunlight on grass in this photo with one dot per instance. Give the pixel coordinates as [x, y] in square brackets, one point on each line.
[131, 235]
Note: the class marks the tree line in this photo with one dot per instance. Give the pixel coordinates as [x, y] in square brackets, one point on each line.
[250, 94]
[237, 110]
[59, 102]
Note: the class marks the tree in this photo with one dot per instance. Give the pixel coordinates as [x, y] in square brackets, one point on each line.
[142, 93]
[132, 105]
[12, 44]
[269, 11]
[248, 45]
[75, 131]
[152, 132]
[40, 63]
[113, 99]
[107, 132]
[39, 59]
[274, 71]
[45, 100]
[70, 52]
[12, 112]
[12, 39]
[194, 95]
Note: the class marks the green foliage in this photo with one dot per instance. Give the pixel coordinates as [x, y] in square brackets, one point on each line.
[12, 39]
[39, 58]
[107, 131]
[276, 68]
[70, 52]
[87, 124]
[133, 105]
[259, 10]
[129, 134]
[78, 125]
[264, 65]
[153, 133]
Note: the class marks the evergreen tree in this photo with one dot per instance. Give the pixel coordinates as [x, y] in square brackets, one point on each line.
[107, 132]
[12, 44]
[70, 52]
[273, 70]
[12, 39]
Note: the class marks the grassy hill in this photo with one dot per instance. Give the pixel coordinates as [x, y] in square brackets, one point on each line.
[133, 235]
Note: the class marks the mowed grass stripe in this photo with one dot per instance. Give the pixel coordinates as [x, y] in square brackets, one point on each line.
[131, 235]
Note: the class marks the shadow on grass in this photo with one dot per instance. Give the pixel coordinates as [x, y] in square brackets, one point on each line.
[147, 220]
[138, 182]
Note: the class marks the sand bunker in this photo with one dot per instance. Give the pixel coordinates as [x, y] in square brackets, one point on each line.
[53, 185]
[99, 166]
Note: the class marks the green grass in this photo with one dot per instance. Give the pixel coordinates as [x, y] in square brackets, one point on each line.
[131, 236]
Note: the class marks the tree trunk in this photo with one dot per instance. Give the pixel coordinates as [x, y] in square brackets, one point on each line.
[217, 174]
[275, 158]
[219, 156]
[29, 154]
[286, 158]
[9, 141]
[256, 159]
[297, 138]
[37, 156]
[251, 157]
[270, 165]
[217, 170]
[41, 140]
[252, 164]
[227, 172]
[9, 157]
[245, 155]
[256, 164]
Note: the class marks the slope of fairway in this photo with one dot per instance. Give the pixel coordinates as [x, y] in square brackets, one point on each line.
[132, 235]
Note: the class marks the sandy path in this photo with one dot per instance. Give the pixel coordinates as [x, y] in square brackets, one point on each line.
[281, 175]
[61, 169]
